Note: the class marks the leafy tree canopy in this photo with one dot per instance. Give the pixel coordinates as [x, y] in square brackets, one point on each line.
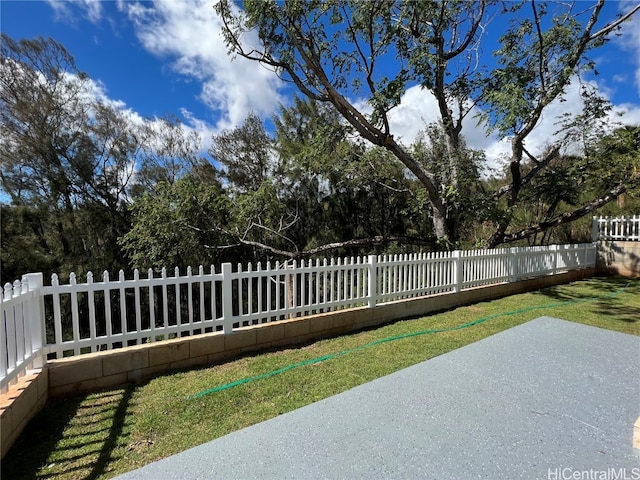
[341, 50]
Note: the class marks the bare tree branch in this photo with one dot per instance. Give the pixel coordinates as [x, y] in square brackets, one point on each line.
[270, 230]
[563, 218]
[358, 242]
[613, 25]
[540, 165]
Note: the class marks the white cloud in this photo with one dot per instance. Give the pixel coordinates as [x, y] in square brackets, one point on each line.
[545, 133]
[629, 39]
[189, 33]
[92, 9]
[419, 107]
[204, 130]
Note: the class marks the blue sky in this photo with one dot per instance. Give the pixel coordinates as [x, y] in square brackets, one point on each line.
[167, 57]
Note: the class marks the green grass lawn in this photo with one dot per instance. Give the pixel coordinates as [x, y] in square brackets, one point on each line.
[103, 434]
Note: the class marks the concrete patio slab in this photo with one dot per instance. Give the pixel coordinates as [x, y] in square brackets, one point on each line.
[548, 399]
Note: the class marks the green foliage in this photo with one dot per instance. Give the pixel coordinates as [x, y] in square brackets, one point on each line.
[333, 52]
[311, 140]
[616, 158]
[67, 161]
[340, 189]
[71, 164]
[87, 185]
[245, 154]
[570, 181]
[24, 247]
[536, 58]
[464, 194]
[168, 153]
[178, 224]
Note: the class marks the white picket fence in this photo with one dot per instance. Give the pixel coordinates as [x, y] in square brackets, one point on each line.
[616, 228]
[107, 314]
[21, 329]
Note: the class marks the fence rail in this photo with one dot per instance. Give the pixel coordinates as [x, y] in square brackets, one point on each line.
[107, 314]
[616, 228]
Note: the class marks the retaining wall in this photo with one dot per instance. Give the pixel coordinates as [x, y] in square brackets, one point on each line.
[20, 404]
[616, 257]
[108, 369]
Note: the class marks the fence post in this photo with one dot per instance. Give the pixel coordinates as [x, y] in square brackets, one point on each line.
[457, 271]
[513, 270]
[372, 293]
[227, 299]
[595, 231]
[555, 249]
[35, 281]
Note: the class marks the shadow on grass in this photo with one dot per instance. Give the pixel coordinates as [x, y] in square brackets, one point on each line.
[66, 431]
[605, 292]
[625, 313]
[40, 437]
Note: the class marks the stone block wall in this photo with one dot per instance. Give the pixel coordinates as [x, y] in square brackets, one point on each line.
[20, 404]
[615, 257]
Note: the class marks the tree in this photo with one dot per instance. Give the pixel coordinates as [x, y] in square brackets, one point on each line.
[169, 153]
[323, 188]
[245, 153]
[341, 50]
[67, 159]
[535, 67]
[461, 186]
[178, 224]
[572, 181]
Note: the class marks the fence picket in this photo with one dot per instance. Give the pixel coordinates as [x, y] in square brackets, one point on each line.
[619, 228]
[26, 314]
[227, 299]
[190, 299]
[202, 317]
[176, 275]
[22, 329]
[214, 304]
[14, 332]
[152, 306]
[107, 308]
[92, 311]
[4, 338]
[57, 316]
[123, 307]
[136, 299]
[165, 299]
